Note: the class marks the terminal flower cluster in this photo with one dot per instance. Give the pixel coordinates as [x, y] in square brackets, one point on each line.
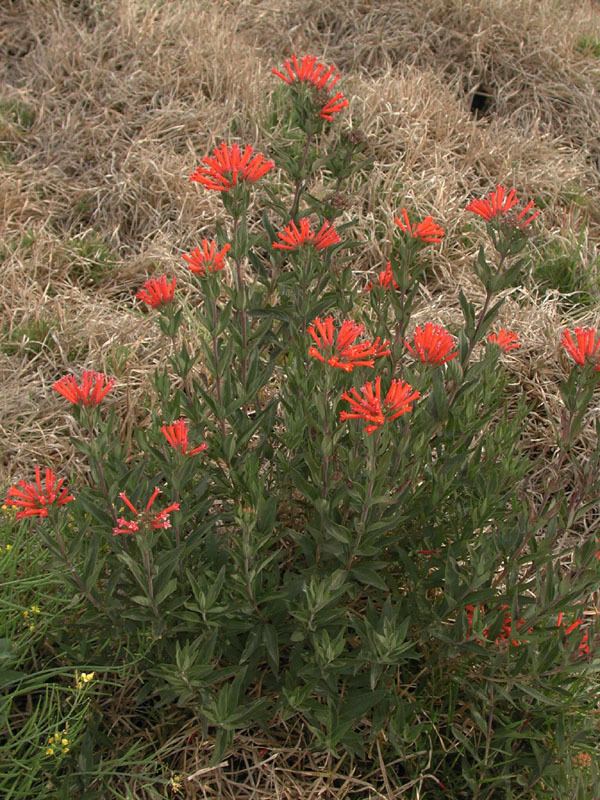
[310, 70]
[499, 205]
[206, 259]
[295, 236]
[35, 499]
[368, 405]
[92, 389]
[340, 349]
[229, 165]
[144, 519]
[432, 344]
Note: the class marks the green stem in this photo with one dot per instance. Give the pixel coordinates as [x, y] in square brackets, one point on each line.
[147, 562]
[217, 376]
[372, 450]
[241, 312]
[300, 181]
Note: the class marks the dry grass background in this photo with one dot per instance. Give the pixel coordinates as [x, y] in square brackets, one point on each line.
[107, 105]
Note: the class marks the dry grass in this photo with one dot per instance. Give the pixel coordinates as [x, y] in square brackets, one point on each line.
[107, 105]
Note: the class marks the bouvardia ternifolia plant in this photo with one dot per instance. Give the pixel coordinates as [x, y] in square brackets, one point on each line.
[328, 514]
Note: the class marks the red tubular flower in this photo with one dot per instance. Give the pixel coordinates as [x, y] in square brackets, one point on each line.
[333, 106]
[385, 279]
[432, 344]
[369, 407]
[500, 203]
[177, 436]
[427, 231]
[506, 340]
[323, 78]
[309, 70]
[585, 347]
[584, 646]
[229, 166]
[506, 630]
[207, 259]
[470, 612]
[157, 292]
[94, 388]
[339, 349]
[144, 519]
[573, 626]
[292, 237]
[34, 499]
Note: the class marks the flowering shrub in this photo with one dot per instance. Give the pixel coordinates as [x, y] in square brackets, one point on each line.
[351, 538]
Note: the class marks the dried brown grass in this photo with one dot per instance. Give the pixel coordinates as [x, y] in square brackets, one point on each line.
[127, 94]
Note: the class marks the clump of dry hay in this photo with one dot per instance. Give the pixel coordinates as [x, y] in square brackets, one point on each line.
[120, 98]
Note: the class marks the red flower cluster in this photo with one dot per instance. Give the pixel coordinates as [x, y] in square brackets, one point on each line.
[34, 498]
[339, 348]
[292, 237]
[584, 645]
[506, 631]
[368, 405]
[323, 78]
[499, 203]
[432, 344]
[208, 259]
[157, 292]
[229, 165]
[93, 389]
[385, 279]
[583, 345]
[427, 230]
[144, 519]
[506, 340]
[177, 436]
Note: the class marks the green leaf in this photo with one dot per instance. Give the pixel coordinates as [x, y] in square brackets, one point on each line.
[9, 676]
[369, 576]
[271, 643]
[166, 591]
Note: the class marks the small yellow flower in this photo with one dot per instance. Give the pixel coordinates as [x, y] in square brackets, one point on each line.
[27, 613]
[83, 678]
[176, 784]
[58, 744]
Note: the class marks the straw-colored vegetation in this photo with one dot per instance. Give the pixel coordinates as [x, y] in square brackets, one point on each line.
[107, 105]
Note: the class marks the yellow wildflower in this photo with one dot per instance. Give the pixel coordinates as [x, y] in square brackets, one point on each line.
[27, 615]
[83, 678]
[58, 744]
